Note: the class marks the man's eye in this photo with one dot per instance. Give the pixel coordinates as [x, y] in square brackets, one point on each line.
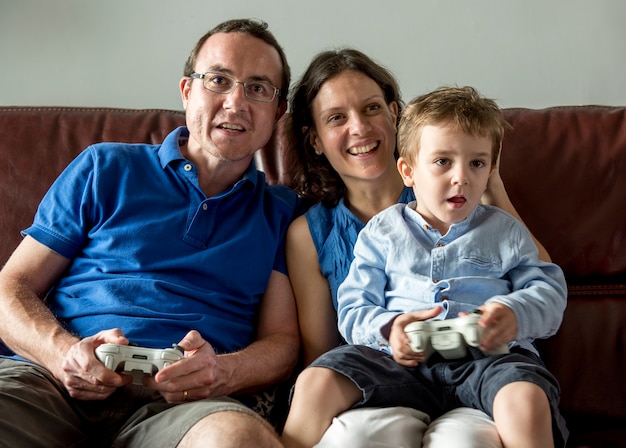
[219, 81]
[257, 87]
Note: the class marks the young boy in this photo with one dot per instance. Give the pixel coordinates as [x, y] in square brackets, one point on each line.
[442, 255]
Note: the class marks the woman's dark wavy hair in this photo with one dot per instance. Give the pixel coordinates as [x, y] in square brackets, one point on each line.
[313, 178]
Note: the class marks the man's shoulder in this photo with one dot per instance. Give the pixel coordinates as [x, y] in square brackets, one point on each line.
[285, 199]
[109, 151]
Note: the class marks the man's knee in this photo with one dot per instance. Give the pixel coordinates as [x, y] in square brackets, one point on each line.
[231, 429]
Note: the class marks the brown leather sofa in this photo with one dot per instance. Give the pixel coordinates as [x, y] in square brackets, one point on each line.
[565, 171]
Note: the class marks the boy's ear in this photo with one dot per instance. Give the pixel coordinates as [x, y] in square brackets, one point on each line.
[406, 171]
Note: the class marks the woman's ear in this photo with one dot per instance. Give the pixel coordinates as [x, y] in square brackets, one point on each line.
[393, 108]
[406, 171]
[313, 139]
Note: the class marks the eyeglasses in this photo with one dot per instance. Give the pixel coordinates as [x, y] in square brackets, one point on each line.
[217, 82]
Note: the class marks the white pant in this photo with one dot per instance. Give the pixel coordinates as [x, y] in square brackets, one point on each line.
[401, 427]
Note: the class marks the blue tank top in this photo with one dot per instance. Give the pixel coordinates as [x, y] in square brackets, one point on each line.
[334, 232]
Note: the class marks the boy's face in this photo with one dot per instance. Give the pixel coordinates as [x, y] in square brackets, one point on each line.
[449, 175]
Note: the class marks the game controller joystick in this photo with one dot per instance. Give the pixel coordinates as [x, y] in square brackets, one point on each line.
[137, 361]
[449, 337]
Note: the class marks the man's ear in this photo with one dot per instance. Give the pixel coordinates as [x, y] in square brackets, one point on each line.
[185, 86]
[282, 108]
[406, 171]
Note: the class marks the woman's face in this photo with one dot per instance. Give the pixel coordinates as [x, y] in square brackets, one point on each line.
[354, 127]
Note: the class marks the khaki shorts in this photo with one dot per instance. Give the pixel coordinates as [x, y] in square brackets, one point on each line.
[163, 424]
[37, 411]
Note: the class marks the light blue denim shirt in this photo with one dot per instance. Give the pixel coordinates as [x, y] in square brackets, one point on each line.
[402, 264]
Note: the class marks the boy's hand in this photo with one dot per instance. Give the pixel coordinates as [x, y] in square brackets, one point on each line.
[403, 354]
[499, 324]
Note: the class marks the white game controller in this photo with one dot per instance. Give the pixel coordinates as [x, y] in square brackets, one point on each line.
[137, 361]
[449, 337]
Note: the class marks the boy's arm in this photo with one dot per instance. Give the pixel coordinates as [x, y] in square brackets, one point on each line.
[539, 292]
[361, 298]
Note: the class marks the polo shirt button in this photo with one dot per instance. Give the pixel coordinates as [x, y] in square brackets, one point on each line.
[205, 207]
[188, 167]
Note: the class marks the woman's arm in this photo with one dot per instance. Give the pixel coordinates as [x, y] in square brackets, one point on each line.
[496, 195]
[316, 314]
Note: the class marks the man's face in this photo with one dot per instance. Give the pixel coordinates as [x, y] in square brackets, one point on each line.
[229, 126]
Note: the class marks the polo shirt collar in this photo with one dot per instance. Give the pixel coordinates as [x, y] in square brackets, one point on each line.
[170, 152]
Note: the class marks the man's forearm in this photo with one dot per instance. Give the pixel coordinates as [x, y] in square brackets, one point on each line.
[260, 365]
[29, 328]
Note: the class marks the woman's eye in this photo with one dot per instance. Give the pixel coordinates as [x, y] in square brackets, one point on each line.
[373, 108]
[334, 118]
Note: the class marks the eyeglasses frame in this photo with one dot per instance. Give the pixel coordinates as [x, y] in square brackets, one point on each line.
[203, 76]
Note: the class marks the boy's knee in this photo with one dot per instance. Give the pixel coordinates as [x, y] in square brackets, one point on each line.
[312, 378]
[521, 395]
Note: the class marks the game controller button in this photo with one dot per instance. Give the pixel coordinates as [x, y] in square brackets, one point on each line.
[178, 347]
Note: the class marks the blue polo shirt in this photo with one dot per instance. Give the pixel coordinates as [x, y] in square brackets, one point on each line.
[152, 254]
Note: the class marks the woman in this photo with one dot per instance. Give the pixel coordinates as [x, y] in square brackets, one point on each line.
[344, 112]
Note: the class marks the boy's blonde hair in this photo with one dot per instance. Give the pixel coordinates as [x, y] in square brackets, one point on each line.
[460, 107]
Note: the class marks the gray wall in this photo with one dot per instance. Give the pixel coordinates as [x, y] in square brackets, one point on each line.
[130, 53]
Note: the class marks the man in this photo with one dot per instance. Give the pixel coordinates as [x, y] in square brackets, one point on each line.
[176, 243]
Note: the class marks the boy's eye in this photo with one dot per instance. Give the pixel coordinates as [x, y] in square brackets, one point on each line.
[478, 163]
[441, 162]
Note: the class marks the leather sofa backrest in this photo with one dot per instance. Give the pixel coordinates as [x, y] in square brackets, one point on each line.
[565, 170]
[37, 143]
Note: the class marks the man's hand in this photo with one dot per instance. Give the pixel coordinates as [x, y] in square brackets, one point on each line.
[84, 376]
[499, 326]
[194, 377]
[403, 354]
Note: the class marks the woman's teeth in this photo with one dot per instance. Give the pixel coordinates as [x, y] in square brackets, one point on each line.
[356, 150]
